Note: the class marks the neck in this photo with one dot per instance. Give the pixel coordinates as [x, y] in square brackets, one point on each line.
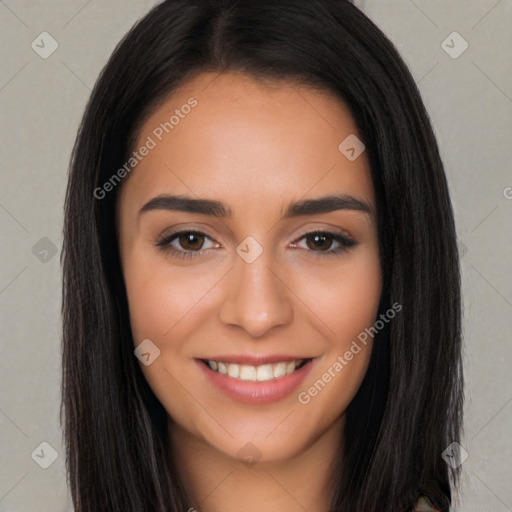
[216, 482]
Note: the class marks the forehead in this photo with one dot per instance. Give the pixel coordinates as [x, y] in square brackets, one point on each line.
[244, 140]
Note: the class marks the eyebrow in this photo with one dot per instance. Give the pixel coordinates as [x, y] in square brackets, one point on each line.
[215, 208]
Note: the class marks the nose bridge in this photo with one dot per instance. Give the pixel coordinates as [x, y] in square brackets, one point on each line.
[256, 299]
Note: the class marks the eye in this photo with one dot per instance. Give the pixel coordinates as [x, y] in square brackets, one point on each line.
[320, 242]
[184, 244]
[190, 244]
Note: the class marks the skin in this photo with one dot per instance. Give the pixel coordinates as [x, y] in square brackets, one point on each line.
[256, 147]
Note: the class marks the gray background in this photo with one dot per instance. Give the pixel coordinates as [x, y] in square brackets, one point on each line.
[469, 99]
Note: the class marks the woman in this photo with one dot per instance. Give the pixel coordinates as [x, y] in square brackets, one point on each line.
[261, 284]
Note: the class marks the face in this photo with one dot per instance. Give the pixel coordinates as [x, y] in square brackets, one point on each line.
[250, 299]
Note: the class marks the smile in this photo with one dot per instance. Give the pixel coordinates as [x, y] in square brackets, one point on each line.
[260, 373]
[268, 379]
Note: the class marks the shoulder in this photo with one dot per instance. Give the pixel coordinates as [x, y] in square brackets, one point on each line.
[424, 505]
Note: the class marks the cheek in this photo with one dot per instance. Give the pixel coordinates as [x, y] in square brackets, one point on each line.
[147, 302]
[345, 301]
[160, 296]
[342, 299]
[345, 297]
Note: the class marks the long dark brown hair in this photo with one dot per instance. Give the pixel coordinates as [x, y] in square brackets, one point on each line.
[409, 406]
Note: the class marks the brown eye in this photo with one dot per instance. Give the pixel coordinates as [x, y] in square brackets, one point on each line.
[321, 241]
[191, 241]
[185, 244]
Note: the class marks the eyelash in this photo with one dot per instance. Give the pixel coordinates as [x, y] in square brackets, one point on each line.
[164, 243]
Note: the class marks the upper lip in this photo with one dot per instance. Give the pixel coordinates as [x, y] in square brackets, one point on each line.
[255, 360]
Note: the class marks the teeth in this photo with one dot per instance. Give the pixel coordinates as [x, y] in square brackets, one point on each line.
[247, 372]
[233, 370]
[280, 370]
[264, 372]
[259, 373]
[290, 367]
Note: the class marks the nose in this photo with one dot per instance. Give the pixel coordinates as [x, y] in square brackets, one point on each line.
[256, 297]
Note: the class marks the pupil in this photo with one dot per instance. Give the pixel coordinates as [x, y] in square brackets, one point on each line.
[189, 240]
[322, 238]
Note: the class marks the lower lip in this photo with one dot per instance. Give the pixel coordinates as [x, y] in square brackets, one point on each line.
[254, 392]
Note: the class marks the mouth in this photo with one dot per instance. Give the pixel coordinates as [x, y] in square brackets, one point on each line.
[267, 380]
[256, 373]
